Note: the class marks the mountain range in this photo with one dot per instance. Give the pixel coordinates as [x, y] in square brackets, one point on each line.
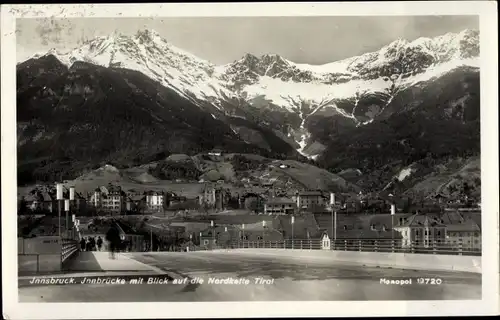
[127, 100]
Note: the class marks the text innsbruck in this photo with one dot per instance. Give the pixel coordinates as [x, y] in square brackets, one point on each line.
[157, 279]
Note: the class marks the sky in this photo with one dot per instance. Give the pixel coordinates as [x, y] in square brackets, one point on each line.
[220, 40]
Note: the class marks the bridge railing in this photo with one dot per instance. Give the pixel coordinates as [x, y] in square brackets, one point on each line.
[367, 245]
[44, 254]
[68, 248]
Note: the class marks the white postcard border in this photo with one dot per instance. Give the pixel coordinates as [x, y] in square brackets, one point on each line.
[489, 165]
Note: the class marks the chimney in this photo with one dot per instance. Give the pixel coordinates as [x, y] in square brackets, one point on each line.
[332, 198]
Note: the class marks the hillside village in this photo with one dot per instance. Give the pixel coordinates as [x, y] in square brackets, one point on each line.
[221, 212]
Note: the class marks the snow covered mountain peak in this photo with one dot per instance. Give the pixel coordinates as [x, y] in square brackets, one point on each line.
[271, 82]
[150, 54]
[148, 34]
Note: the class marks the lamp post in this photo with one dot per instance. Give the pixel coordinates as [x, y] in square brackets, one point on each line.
[293, 222]
[334, 217]
[190, 241]
[151, 239]
[263, 229]
[71, 204]
[335, 226]
[59, 198]
[228, 238]
[66, 210]
[393, 212]
[213, 233]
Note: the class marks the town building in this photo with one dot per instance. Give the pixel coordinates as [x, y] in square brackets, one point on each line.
[463, 228]
[136, 203]
[155, 201]
[214, 196]
[310, 199]
[466, 235]
[207, 196]
[280, 206]
[79, 203]
[41, 201]
[109, 199]
[421, 230]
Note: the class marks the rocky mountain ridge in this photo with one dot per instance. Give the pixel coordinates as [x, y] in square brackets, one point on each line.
[271, 88]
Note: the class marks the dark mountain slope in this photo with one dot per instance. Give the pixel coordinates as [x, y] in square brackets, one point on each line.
[432, 122]
[76, 119]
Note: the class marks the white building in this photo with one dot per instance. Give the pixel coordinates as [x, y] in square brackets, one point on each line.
[155, 200]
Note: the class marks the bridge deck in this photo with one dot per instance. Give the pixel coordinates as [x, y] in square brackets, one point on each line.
[98, 261]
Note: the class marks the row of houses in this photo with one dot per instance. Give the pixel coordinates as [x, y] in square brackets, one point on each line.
[453, 230]
[111, 199]
[115, 200]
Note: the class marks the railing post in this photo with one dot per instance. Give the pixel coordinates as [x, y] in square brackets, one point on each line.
[460, 247]
[392, 245]
[376, 245]
[310, 244]
[345, 245]
[359, 245]
[434, 249]
[412, 247]
[301, 245]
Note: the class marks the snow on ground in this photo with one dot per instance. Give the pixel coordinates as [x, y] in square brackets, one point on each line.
[276, 90]
[439, 70]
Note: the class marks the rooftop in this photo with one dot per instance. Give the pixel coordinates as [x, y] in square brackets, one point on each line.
[310, 193]
[280, 200]
[417, 220]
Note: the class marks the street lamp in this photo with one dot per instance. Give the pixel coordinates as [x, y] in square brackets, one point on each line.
[393, 212]
[151, 238]
[59, 198]
[263, 228]
[190, 241]
[66, 210]
[72, 201]
[334, 217]
[293, 222]
[213, 233]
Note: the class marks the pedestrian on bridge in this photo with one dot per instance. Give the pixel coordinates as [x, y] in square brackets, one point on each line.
[92, 244]
[99, 243]
[114, 241]
[82, 244]
[87, 244]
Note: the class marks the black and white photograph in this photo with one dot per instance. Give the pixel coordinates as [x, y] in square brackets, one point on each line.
[250, 154]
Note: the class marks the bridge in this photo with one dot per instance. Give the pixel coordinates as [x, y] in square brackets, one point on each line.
[275, 271]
